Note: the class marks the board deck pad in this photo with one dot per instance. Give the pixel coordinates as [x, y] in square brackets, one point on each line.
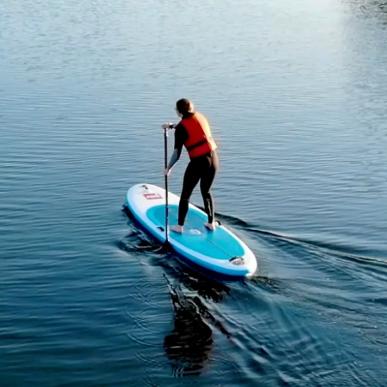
[218, 244]
[220, 251]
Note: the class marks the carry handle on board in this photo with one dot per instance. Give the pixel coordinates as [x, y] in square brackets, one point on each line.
[166, 128]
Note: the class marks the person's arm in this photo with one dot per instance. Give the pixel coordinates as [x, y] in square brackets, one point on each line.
[180, 138]
[174, 158]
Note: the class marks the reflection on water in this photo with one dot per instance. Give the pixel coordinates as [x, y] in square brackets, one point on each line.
[189, 344]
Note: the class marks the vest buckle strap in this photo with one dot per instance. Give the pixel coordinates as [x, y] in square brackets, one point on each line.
[199, 143]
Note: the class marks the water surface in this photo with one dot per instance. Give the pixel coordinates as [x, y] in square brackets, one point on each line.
[296, 95]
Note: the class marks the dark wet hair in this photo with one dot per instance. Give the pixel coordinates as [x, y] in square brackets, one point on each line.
[184, 106]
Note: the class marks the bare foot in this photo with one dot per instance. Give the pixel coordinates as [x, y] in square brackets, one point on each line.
[210, 226]
[177, 228]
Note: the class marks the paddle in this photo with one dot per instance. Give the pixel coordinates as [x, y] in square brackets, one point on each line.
[167, 127]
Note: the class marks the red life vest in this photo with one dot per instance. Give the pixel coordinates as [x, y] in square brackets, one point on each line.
[199, 141]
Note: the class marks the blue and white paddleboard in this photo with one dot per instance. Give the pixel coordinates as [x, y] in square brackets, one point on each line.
[219, 251]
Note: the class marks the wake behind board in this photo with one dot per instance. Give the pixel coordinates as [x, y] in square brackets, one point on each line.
[219, 251]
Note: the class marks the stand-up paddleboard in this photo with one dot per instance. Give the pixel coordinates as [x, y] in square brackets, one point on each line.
[219, 251]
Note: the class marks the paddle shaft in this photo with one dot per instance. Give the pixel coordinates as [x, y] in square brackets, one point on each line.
[166, 182]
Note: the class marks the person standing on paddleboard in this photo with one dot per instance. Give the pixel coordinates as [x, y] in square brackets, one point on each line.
[194, 132]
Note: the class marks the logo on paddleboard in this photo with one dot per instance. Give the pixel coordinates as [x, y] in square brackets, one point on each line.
[152, 196]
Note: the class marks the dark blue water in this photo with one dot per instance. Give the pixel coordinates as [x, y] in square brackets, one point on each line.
[296, 93]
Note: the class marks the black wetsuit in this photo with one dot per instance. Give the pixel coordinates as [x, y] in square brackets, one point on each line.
[201, 168]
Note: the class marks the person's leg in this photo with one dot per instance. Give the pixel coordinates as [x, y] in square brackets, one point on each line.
[206, 183]
[191, 178]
